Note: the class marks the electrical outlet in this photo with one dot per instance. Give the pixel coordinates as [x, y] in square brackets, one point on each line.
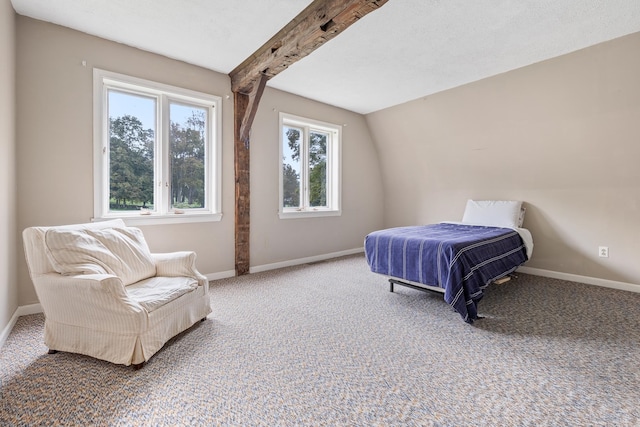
[603, 251]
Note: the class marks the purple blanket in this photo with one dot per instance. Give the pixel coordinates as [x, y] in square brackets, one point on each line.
[461, 259]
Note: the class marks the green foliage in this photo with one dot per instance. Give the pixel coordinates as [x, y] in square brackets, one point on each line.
[318, 185]
[132, 163]
[290, 187]
[293, 139]
[317, 170]
[317, 145]
[291, 178]
[187, 143]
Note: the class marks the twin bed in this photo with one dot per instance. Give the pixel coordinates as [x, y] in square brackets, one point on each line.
[459, 259]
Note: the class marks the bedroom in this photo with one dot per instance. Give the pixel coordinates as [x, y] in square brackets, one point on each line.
[562, 135]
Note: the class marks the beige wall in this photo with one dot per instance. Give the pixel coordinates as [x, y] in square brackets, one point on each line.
[273, 239]
[54, 158]
[8, 245]
[562, 135]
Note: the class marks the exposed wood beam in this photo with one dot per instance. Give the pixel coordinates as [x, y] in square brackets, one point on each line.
[242, 187]
[250, 112]
[321, 21]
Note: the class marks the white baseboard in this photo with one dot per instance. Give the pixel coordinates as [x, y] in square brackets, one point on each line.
[283, 264]
[7, 330]
[221, 275]
[581, 279]
[23, 310]
[307, 260]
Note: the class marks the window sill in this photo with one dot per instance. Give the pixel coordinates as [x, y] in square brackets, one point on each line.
[135, 220]
[308, 214]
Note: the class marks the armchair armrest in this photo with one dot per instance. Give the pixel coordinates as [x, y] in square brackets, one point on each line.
[97, 300]
[179, 264]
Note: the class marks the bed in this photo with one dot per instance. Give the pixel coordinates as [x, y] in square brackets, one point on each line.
[458, 259]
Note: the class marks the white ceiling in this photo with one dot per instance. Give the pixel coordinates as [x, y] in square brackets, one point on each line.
[405, 50]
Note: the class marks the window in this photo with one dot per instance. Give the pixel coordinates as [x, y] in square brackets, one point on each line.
[157, 151]
[310, 167]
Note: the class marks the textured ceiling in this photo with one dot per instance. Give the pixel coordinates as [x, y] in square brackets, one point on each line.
[405, 50]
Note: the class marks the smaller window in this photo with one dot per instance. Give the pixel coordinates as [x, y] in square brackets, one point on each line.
[310, 167]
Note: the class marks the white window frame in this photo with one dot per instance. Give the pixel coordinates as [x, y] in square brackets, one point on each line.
[334, 168]
[105, 80]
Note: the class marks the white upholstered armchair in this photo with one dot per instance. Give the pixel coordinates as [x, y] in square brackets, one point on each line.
[105, 295]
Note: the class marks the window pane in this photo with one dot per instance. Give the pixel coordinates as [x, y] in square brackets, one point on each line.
[187, 145]
[318, 169]
[291, 145]
[132, 130]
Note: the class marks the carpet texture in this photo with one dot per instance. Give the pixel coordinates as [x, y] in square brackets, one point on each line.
[328, 345]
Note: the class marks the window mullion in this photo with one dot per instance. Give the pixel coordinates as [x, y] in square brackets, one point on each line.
[162, 158]
[328, 171]
[305, 162]
[105, 149]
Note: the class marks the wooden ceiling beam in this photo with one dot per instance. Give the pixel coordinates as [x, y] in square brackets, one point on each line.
[321, 21]
[251, 108]
[318, 23]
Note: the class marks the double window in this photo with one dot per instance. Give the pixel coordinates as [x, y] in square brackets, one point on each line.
[157, 151]
[310, 167]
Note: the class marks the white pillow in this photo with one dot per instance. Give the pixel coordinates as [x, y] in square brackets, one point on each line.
[496, 213]
[122, 252]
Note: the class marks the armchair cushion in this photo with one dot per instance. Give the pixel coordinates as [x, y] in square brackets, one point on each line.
[122, 252]
[157, 291]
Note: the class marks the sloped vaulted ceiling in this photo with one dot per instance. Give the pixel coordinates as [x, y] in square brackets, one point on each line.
[406, 50]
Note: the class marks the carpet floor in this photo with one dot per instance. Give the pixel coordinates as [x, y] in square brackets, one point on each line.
[327, 344]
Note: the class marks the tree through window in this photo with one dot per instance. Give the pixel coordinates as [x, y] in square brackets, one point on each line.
[310, 153]
[160, 153]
